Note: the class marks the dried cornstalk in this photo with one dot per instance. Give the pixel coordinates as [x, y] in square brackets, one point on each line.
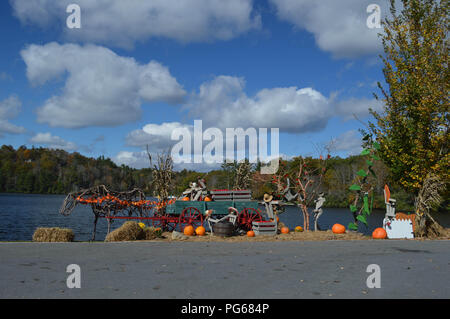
[243, 175]
[428, 198]
[162, 175]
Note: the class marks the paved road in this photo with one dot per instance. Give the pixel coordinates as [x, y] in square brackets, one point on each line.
[331, 269]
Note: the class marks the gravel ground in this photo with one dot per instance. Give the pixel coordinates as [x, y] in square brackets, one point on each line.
[245, 269]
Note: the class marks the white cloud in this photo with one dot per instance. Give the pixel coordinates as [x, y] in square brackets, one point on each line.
[122, 23]
[352, 107]
[53, 141]
[101, 88]
[132, 159]
[140, 160]
[348, 142]
[9, 109]
[338, 27]
[223, 103]
[157, 136]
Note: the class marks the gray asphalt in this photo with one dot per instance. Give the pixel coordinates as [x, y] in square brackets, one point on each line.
[329, 269]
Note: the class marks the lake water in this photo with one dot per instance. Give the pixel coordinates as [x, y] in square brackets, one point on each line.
[21, 214]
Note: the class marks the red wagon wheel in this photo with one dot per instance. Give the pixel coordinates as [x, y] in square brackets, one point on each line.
[166, 223]
[247, 216]
[190, 216]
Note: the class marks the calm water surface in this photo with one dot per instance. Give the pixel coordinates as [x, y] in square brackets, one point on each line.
[21, 214]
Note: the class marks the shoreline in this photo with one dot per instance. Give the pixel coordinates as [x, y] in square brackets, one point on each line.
[306, 236]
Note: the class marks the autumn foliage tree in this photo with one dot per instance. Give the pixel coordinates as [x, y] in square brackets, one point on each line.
[413, 128]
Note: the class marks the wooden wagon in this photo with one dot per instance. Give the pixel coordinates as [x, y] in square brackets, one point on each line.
[169, 215]
[182, 213]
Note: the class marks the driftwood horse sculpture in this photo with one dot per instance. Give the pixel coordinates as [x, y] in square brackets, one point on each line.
[108, 204]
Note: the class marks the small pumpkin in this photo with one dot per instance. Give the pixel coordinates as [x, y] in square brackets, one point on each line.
[379, 233]
[285, 230]
[299, 229]
[338, 229]
[188, 230]
[200, 231]
[207, 199]
[250, 233]
[186, 199]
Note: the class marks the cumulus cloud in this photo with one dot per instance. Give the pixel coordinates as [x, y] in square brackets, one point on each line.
[122, 23]
[52, 141]
[157, 136]
[348, 142]
[140, 160]
[338, 27]
[101, 88]
[222, 102]
[352, 107]
[9, 109]
[132, 159]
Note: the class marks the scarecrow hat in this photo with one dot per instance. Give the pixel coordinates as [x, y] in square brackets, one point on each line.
[268, 198]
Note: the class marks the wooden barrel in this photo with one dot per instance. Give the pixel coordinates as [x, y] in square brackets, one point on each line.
[223, 229]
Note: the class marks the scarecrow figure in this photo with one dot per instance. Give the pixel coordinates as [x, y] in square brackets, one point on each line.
[195, 191]
[318, 210]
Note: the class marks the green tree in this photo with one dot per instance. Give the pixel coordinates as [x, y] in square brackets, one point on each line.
[413, 129]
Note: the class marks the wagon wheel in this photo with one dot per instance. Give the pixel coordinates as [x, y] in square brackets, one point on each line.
[172, 222]
[247, 216]
[163, 222]
[190, 216]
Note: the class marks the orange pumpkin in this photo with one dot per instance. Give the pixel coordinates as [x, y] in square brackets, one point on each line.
[299, 229]
[207, 199]
[338, 229]
[284, 230]
[186, 199]
[188, 230]
[200, 231]
[250, 233]
[379, 233]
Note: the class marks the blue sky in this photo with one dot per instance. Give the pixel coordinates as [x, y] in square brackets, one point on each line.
[118, 83]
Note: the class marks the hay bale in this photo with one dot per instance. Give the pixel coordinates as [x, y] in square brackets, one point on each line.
[127, 232]
[53, 234]
[152, 233]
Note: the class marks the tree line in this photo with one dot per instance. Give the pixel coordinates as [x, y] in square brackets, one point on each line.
[49, 171]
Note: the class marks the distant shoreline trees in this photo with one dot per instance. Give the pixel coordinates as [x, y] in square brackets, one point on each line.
[48, 171]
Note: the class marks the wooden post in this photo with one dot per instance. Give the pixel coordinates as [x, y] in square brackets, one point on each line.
[109, 221]
[95, 226]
